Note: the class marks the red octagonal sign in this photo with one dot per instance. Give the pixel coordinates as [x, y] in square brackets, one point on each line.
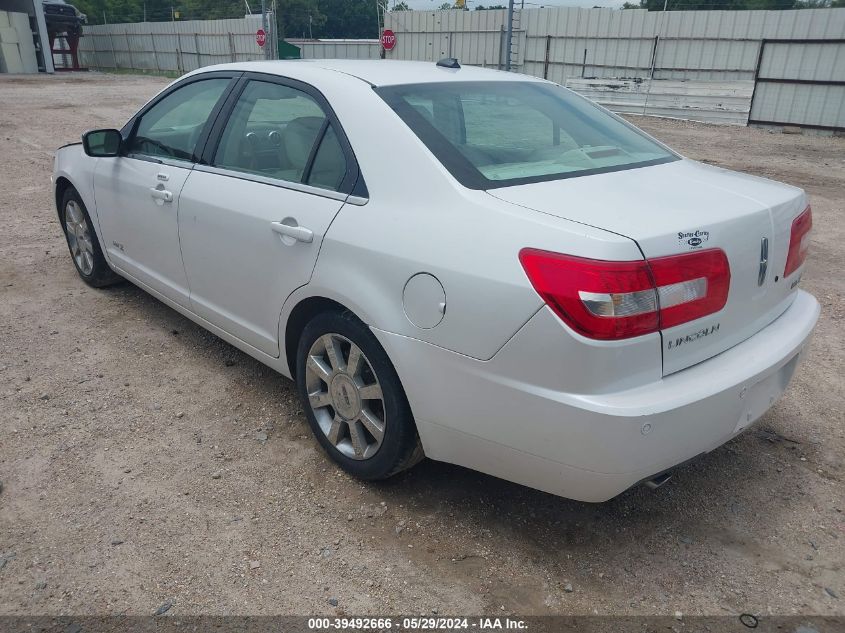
[260, 37]
[388, 39]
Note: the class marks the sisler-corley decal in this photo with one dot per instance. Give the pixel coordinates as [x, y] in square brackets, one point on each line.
[693, 239]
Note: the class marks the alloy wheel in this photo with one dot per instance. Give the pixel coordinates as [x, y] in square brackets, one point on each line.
[79, 237]
[345, 396]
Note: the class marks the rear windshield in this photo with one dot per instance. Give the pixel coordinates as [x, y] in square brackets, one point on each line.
[503, 133]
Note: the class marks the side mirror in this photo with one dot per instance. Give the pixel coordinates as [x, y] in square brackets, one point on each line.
[102, 143]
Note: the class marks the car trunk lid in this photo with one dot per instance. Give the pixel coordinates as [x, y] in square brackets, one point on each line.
[686, 206]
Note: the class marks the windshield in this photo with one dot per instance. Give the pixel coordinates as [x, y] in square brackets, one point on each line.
[502, 133]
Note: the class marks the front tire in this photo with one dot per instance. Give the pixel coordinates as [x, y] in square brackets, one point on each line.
[83, 244]
[353, 399]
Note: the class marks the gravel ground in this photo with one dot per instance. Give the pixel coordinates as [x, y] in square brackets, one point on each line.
[144, 461]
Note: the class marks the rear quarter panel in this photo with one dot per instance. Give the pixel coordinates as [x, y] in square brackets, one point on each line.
[419, 219]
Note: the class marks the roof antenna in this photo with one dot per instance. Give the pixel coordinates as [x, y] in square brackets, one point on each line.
[448, 62]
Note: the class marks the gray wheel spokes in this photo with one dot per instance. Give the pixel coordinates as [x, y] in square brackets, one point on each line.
[74, 215]
[353, 364]
[333, 352]
[318, 367]
[358, 438]
[87, 262]
[79, 238]
[345, 396]
[320, 399]
[374, 425]
[336, 429]
[371, 392]
[74, 243]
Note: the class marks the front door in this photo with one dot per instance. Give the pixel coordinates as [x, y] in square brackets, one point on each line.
[137, 194]
[251, 222]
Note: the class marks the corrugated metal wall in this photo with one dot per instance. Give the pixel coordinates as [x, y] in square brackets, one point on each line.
[560, 44]
[784, 94]
[338, 49]
[724, 102]
[172, 46]
[564, 44]
[695, 45]
[474, 37]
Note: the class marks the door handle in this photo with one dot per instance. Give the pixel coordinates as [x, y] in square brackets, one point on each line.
[299, 233]
[161, 194]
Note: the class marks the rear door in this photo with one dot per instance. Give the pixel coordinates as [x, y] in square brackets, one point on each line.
[138, 193]
[251, 221]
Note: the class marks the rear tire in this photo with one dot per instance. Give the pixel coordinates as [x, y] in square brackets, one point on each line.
[353, 399]
[82, 242]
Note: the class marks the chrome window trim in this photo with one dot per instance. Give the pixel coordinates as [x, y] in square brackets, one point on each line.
[358, 201]
[283, 184]
[160, 160]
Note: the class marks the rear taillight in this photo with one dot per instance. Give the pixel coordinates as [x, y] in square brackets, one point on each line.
[799, 241]
[615, 300]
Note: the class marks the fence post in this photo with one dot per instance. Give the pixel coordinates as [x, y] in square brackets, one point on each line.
[757, 67]
[509, 38]
[654, 55]
[232, 47]
[129, 50]
[197, 49]
[546, 62]
[584, 64]
[179, 61]
[501, 47]
[113, 52]
[155, 53]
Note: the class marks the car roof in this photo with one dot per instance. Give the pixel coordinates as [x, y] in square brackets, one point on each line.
[377, 72]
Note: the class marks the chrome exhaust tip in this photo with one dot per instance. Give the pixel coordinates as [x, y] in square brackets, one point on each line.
[657, 481]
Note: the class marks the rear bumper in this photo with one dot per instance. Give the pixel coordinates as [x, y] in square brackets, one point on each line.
[484, 415]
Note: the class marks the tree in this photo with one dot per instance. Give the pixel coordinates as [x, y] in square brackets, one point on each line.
[299, 18]
[348, 19]
[158, 10]
[401, 6]
[445, 6]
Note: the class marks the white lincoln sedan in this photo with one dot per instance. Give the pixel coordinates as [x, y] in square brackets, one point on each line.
[478, 267]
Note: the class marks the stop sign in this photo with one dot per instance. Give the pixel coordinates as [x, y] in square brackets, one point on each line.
[388, 40]
[260, 37]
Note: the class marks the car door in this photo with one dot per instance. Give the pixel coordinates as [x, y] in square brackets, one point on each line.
[137, 193]
[251, 220]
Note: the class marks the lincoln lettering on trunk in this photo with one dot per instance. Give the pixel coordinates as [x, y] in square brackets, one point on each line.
[691, 338]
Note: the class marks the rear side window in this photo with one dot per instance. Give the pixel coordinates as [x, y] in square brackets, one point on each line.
[172, 127]
[502, 133]
[273, 131]
[329, 166]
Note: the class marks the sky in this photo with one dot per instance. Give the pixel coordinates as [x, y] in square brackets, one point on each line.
[433, 4]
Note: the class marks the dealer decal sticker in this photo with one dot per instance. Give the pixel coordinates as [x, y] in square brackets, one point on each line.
[694, 240]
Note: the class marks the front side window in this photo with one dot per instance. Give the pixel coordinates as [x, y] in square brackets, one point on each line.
[496, 134]
[172, 127]
[273, 131]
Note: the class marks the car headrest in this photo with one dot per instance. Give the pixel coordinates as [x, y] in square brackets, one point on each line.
[299, 136]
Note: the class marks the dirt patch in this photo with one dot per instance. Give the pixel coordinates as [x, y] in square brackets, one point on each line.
[145, 461]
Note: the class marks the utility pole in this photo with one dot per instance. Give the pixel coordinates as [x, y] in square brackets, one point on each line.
[264, 27]
[509, 37]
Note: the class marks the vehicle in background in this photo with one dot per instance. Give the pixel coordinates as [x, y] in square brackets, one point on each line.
[63, 17]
